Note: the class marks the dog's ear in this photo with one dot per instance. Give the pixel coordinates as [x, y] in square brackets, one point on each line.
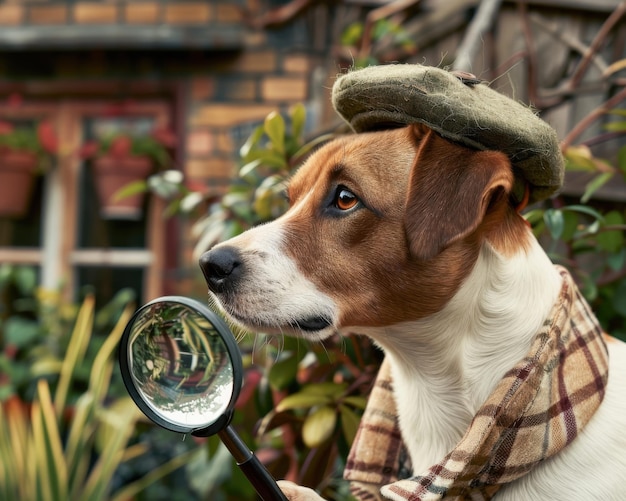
[451, 187]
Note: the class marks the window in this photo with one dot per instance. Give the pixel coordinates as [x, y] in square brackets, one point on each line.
[64, 234]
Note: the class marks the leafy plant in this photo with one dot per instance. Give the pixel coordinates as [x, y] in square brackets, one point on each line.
[155, 146]
[51, 450]
[39, 140]
[268, 157]
[304, 401]
[309, 399]
[35, 333]
[359, 37]
[588, 236]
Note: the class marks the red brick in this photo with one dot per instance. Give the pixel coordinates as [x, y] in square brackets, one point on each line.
[211, 167]
[226, 115]
[142, 13]
[95, 13]
[256, 62]
[11, 14]
[284, 89]
[200, 142]
[202, 88]
[48, 14]
[242, 90]
[296, 63]
[187, 13]
[229, 13]
[255, 39]
[224, 142]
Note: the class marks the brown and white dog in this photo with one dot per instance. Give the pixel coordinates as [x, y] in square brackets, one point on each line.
[413, 240]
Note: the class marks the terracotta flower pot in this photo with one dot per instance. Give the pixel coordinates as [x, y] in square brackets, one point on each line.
[17, 178]
[113, 173]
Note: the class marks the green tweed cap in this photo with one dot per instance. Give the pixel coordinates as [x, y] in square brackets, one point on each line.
[460, 108]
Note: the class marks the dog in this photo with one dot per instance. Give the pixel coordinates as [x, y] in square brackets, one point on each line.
[414, 241]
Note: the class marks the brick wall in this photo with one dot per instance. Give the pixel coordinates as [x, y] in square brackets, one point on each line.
[225, 92]
[130, 12]
[240, 87]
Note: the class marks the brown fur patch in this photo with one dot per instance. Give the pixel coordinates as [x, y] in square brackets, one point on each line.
[426, 207]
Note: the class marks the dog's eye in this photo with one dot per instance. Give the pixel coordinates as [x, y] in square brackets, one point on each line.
[345, 199]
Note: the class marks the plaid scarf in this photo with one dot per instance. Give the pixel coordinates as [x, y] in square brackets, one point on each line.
[537, 408]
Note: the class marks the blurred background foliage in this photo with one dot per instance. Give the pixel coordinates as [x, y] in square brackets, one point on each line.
[301, 403]
[67, 428]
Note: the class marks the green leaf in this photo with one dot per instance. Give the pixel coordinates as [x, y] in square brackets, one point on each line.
[579, 158]
[319, 426]
[356, 401]
[159, 184]
[267, 203]
[618, 126]
[621, 159]
[302, 400]
[283, 372]
[590, 230]
[6, 274]
[570, 225]
[584, 209]
[554, 222]
[274, 127]
[611, 241]
[131, 189]
[298, 119]
[45, 366]
[47, 438]
[619, 299]
[383, 27]
[25, 278]
[617, 260]
[249, 168]
[349, 423]
[534, 216]
[595, 184]
[20, 331]
[328, 388]
[251, 143]
[268, 158]
[588, 287]
[352, 34]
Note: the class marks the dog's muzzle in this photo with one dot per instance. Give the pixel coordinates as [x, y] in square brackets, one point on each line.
[222, 268]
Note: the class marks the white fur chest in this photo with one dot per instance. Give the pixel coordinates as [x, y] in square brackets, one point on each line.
[445, 366]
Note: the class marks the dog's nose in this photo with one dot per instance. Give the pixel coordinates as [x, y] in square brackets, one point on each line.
[221, 268]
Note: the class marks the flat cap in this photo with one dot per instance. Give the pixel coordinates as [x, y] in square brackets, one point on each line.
[461, 109]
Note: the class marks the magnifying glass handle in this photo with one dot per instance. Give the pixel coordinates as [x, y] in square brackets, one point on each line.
[252, 468]
[260, 478]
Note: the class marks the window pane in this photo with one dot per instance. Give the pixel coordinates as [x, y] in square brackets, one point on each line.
[105, 282]
[20, 230]
[96, 229]
[24, 231]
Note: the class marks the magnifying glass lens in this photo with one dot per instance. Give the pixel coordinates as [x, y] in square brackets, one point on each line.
[179, 365]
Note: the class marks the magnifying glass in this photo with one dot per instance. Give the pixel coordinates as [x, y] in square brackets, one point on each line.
[182, 367]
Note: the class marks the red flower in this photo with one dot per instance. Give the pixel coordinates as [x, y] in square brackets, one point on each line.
[15, 100]
[121, 146]
[89, 149]
[165, 136]
[47, 137]
[6, 128]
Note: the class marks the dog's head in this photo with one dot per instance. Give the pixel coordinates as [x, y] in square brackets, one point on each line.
[382, 228]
